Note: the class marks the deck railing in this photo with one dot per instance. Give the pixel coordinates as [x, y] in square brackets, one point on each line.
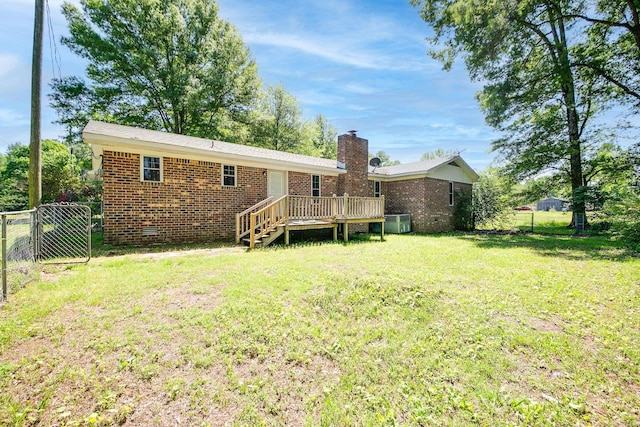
[264, 217]
[243, 219]
[362, 207]
[267, 219]
[336, 207]
[307, 207]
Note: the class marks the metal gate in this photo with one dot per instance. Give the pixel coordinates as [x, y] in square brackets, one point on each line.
[63, 234]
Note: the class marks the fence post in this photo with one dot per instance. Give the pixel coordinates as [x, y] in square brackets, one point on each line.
[532, 221]
[4, 257]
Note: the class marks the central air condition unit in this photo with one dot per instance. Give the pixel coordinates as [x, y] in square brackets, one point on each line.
[396, 224]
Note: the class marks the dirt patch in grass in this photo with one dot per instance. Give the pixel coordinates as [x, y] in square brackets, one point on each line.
[554, 325]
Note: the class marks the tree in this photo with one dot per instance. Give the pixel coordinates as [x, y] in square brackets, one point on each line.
[492, 200]
[612, 49]
[385, 160]
[526, 54]
[169, 65]
[57, 174]
[438, 153]
[324, 138]
[277, 124]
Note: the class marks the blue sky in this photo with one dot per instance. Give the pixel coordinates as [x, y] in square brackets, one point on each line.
[361, 63]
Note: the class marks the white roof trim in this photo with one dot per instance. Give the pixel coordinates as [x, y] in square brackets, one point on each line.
[106, 136]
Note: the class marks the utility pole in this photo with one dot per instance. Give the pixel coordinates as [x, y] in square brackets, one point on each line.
[35, 144]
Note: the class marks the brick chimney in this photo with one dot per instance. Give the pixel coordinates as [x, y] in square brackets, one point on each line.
[354, 153]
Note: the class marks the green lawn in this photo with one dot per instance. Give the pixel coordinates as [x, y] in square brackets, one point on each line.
[457, 329]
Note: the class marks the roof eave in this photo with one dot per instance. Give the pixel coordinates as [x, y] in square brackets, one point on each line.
[140, 146]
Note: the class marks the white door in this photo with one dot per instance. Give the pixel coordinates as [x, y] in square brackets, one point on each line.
[276, 183]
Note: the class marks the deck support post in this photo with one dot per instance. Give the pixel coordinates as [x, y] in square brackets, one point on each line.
[382, 231]
[286, 235]
[335, 232]
[345, 231]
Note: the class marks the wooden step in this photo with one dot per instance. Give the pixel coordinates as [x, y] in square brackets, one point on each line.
[247, 242]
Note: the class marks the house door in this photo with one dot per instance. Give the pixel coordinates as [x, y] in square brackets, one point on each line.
[276, 183]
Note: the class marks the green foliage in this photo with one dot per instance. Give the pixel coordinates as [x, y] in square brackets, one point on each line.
[277, 124]
[438, 153]
[492, 200]
[166, 65]
[60, 176]
[611, 50]
[463, 212]
[324, 137]
[527, 54]
[385, 159]
[623, 215]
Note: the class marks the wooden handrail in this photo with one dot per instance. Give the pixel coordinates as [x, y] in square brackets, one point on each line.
[267, 219]
[243, 220]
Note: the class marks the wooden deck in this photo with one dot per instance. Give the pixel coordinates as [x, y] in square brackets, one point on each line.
[267, 220]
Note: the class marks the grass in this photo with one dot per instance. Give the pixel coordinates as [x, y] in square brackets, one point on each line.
[456, 329]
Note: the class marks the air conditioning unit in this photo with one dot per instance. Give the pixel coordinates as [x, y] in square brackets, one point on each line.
[396, 224]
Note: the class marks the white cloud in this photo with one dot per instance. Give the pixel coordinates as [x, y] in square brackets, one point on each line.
[11, 118]
[9, 64]
[328, 48]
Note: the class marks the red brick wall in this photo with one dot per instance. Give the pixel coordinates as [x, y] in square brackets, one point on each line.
[354, 152]
[300, 184]
[425, 199]
[189, 205]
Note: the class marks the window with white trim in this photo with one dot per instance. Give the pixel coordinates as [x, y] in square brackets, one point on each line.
[228, 176]
[315, 185]
[376, 189]
[451, 193]
[151, 169]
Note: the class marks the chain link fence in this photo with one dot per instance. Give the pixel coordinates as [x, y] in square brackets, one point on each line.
[52, 234]
[64, 234]
[18, 250]
[97, 215]
[542, 222]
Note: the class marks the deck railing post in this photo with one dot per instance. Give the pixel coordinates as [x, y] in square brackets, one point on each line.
[286, 209]
[252, 231]
[345, 209]
[237, 228]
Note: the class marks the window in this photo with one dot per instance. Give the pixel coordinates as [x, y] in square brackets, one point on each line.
[151, 169]
[450, 193]
[376, 188]
[229, 176]
[315, 185]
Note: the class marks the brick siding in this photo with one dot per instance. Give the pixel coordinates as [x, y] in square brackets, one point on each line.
[354, 153]
[425, 199]
[300, 184]
[191, 204]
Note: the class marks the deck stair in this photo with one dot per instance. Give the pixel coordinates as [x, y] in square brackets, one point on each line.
[267, 220]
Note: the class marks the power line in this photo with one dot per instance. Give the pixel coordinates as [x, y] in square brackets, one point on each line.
[56, 61]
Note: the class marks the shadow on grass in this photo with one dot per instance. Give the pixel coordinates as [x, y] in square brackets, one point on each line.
[100, 249]
[567, 246]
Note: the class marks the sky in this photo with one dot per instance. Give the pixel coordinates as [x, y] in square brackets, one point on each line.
[363, 64]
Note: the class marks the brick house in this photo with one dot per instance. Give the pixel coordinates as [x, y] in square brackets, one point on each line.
[162, 187]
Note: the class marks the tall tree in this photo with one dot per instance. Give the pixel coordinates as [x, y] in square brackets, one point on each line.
[438, 153]
[324, 138]
[277, 124]
[612, 49]
[525, 53]
[170, 65]
[57, 174]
